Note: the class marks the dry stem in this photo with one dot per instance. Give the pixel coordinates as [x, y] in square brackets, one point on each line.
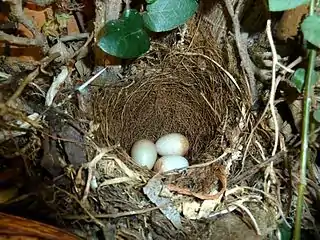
[91, 166]
[112, 215]
[244, 56]
[18, 13]
[19, 40]
[44, 62]
[82, 206]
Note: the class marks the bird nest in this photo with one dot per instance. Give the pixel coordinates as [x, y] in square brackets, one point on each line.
[171, 91]
[184, 89]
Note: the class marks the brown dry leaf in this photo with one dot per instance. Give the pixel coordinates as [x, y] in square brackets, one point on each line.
[199, 182]
[74, 149]
[289, 24]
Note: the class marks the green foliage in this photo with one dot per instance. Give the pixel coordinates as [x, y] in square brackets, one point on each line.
[165, 15]
[316, 115]
[285, 231]
[299, 76]
[125, 37]
[282, 5]
[311, 29]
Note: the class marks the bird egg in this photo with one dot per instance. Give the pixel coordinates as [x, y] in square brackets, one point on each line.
[144, 153]
[172, 144]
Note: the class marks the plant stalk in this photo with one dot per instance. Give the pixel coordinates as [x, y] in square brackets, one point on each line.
[305, 137]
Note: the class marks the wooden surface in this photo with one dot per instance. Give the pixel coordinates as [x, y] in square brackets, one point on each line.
[14, 228]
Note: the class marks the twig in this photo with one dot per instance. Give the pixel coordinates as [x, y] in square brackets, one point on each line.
[278, 158]
[115, 181]
[210, 162]
[18, 13]
[19, 40]
[76, 53]
[5, 109]
[211, 107]
[112, 215]
[244, 56]
[270, 197]
[74, 37]
[273, 87]
[124, 167]
[287, 69]
[202, 196]
[92, 165]
[82, 206]
[44, 62]
[255, 224]
[214, 62]
[270, 101]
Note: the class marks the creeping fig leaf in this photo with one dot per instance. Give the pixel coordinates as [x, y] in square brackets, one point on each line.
[311, 29]
[125, 37]
[165, 15]
[282, 5]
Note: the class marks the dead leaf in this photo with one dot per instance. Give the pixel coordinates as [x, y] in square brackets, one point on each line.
[61, 48]
[75, 150]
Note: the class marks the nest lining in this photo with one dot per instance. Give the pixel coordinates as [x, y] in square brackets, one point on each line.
[189, 95]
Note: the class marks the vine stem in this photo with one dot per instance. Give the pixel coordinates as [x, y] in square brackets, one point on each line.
[305, 137]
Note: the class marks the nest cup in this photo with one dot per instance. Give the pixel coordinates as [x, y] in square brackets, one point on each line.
[170, 91]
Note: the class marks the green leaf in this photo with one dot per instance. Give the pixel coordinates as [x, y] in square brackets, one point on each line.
[282, 5]
[316, 115]
[311, 29]
[285, 231]
[125, 37]
[165, 15]
[299, 77]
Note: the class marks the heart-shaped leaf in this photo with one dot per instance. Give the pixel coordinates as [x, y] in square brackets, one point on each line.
[282, 5]
[311, 29]
[125, 37]
[299, 77]
[165, 15]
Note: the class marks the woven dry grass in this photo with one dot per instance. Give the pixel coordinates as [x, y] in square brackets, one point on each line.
[172, 90]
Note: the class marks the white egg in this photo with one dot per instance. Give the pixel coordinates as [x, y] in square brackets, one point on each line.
[144, 153]
[168, 163]
[172, 144]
